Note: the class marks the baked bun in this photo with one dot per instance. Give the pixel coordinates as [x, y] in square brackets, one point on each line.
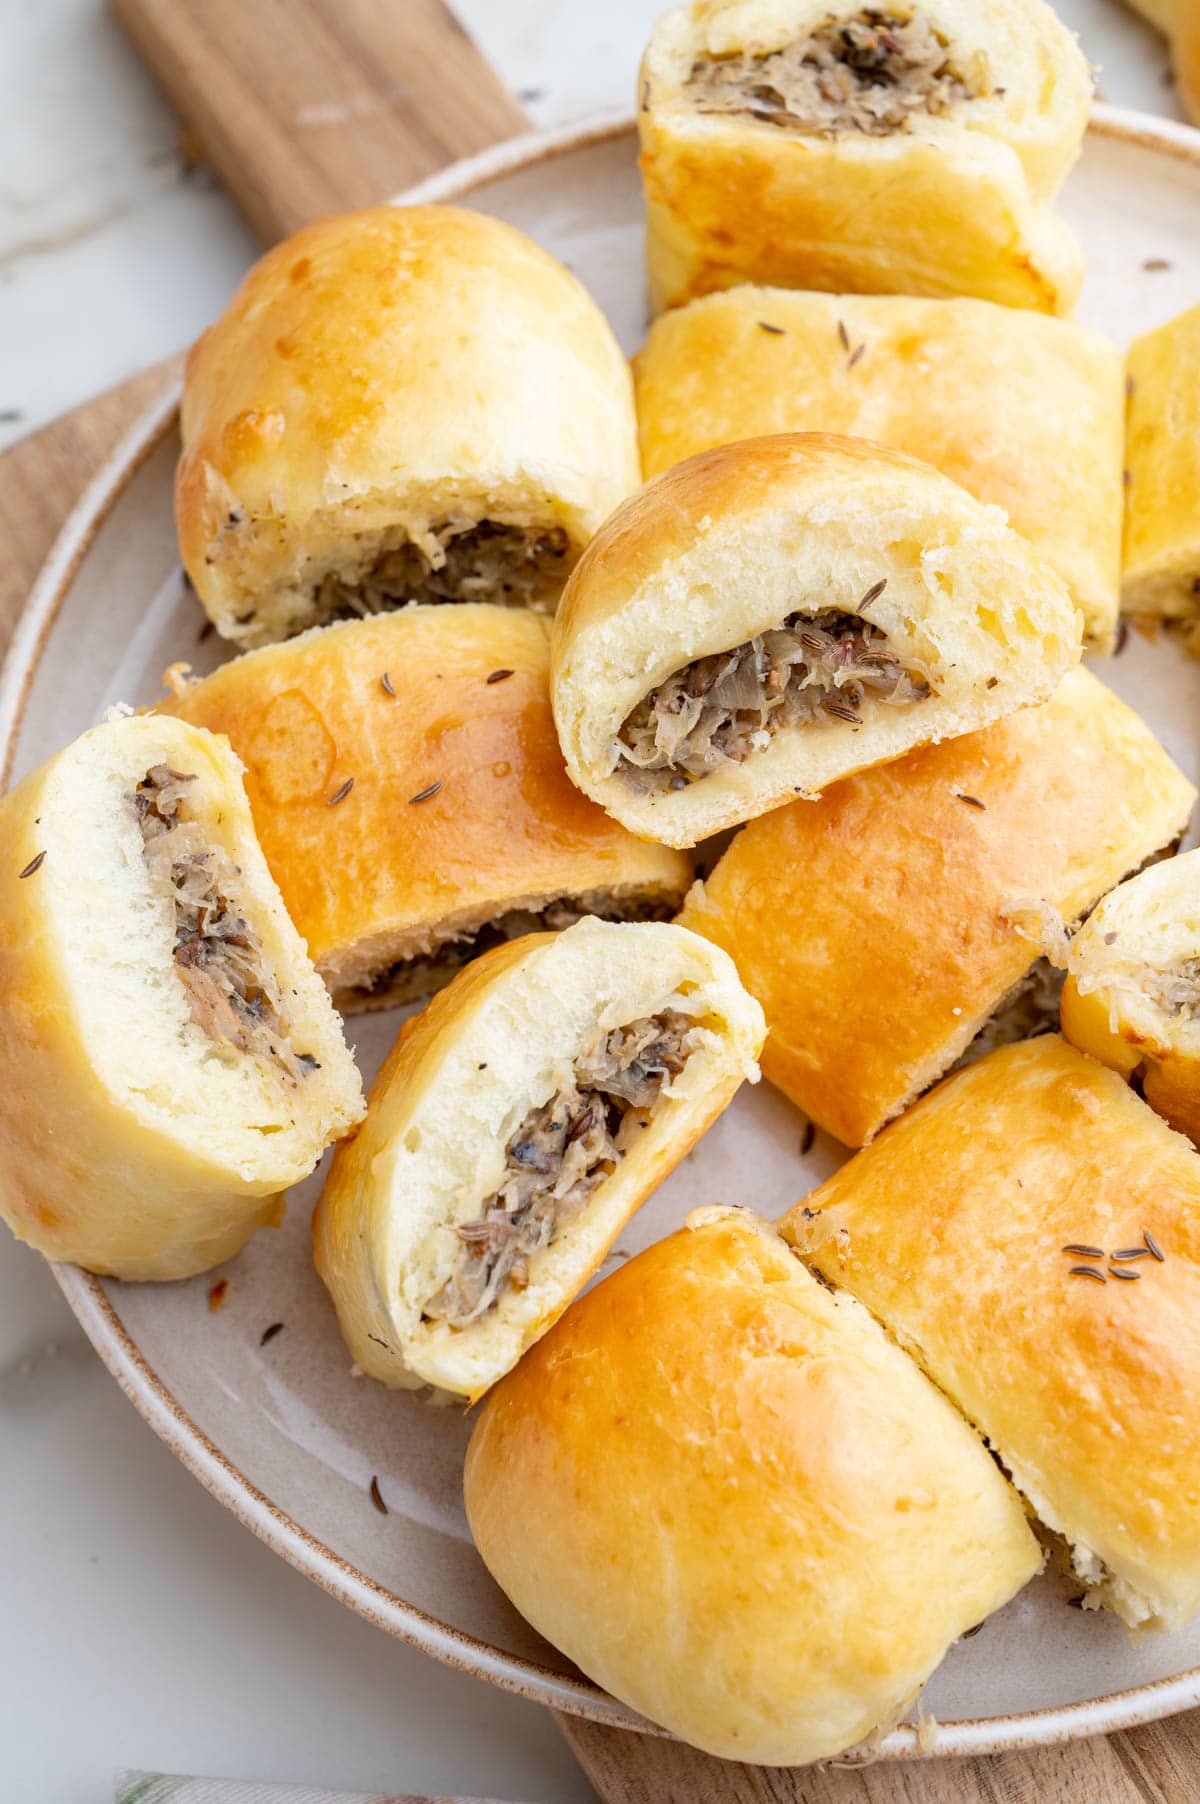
[893, 926]
[408, 403]
[1162, 511]
[1132, 998]
[897, 150]
[964, 1231]
[519, 1122]
[735, 1504]
[410, 795]
[1024, 411]
[1179, 21]
[170, 1061]
[895, 610]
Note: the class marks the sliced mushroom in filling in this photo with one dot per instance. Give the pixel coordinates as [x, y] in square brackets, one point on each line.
[870, 72]
[447, 950]
[722, 709]
[232, 996]
[522, 566]
[558, 1156]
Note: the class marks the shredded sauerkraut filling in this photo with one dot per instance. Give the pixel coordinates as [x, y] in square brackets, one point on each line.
[558, 1156]
[1175, 989]
[1030, 1009]
[448, 950]
[870, 72]
[522, 566]
[722, 709]
[231, 994]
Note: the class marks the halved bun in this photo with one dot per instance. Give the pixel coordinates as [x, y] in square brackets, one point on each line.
[904, 149]
[947, 620]
[487, 1088]
[168, 1066]
[397, 404]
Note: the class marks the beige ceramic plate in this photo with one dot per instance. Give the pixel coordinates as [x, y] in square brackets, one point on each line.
[284, 1433]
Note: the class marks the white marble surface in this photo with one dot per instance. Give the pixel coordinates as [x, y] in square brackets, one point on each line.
[139, 1624]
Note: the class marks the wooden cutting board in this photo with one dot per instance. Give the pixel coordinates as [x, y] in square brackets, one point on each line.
[399, 90]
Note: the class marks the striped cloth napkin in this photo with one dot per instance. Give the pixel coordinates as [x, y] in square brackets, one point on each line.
[173, 1788]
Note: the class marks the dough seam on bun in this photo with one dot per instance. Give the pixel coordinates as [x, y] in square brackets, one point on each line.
[726, 1495]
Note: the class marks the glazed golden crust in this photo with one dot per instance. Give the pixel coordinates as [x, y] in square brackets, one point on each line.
[729, 1499]
[1113, 1006]
[1162, 515]
[730, 543]
[908, 895]
[125, 1145]
[398, 366]
[952, 1230]
[1024, 411]
[461, 1078]
[369, 877]
[952, 204]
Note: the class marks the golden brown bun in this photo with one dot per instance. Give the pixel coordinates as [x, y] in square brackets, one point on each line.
[1025, 412]
[906, 898]
[728, 545]
[953, 1231]
[956, 203]
[402, 367]
[1114, 1006]
[735, 1504]
[1162, 513]
[460, 1081]
[1179, 21]
[131, 1142]
[370, 878]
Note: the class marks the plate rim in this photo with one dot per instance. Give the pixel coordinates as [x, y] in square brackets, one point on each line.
[100, 1320]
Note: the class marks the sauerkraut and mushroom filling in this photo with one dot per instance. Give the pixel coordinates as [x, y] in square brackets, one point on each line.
[1175, 989]
[231, 994]
[870, 72]
[446, 950]
[558, 1156]
[722, 709]
[522, 566]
